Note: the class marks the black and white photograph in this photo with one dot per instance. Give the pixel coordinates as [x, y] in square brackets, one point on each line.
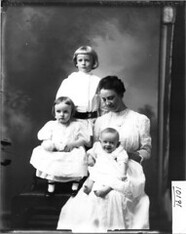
[85, 86]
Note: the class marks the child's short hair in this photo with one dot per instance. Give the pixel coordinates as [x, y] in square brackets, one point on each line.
[86, 50]
[110, 130]
[67, 101]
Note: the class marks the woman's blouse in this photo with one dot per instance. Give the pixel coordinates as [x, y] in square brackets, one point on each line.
[133, 128]
[81, 88]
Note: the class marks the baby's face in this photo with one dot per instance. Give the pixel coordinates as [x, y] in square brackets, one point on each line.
[109, 141]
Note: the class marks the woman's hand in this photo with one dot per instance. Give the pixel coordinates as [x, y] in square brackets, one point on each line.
[135, 156]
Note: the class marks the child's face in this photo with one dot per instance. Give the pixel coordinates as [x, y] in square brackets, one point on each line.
[62, 112]
[109, 141]
[84, 62]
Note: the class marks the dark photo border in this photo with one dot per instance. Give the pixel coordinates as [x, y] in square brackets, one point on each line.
[171, 130]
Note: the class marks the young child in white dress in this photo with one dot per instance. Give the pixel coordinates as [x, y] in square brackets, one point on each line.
[107, 162]
[61, 157]
[81, 86]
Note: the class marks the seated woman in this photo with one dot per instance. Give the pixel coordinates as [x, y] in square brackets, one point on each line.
[127, 209]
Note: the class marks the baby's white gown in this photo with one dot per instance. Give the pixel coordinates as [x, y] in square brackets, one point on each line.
[58, 165]
[108, 169]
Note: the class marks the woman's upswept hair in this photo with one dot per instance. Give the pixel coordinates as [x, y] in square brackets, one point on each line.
[86, 50]
[112, 83]
[67, 101]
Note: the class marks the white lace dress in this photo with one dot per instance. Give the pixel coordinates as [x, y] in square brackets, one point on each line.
[89, 213]
[59, 165]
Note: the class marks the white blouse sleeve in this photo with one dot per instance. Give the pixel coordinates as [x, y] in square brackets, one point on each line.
[145, 138]
[45, 133]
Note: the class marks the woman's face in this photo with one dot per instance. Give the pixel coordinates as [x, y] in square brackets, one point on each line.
[111, 100]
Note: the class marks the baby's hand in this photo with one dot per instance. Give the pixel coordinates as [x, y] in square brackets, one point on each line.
[101, 193]
[59, 146]
[69, 147]
[48, 145]
[91, 161]
[123, 178]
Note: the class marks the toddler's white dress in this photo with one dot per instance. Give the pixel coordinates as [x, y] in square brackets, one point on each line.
[58, 165]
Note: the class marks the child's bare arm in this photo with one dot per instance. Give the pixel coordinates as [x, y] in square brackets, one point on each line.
[91, 160]
[88, 185]
[91, 157]
[123, 166]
